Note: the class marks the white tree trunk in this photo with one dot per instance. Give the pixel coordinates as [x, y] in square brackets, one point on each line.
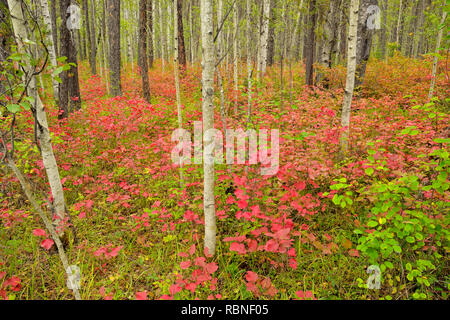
[191, 34]
[219, 21]
[168, 22]
[435, 62]
[177, 78]
[264, 38]
[351, 69]
[161, 33]
[43, 133]
[235, 55]
[50, 44]
[208, 62]
[399, 19]
[249, 61]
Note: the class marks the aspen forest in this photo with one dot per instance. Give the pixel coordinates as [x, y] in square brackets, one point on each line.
[224, 150]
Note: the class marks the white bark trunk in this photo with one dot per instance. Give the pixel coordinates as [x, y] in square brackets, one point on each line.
[50, 44]
[208, 62]
[264, 38]
[249, 61]
[235, 55]
[400, 11]
[435, 62]
[43, 133]
[351, 69]
[161, 32]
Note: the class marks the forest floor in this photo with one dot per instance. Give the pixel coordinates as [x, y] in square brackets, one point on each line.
[287, 236]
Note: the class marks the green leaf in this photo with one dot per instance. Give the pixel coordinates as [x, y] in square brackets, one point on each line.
[13, 108]
[372, 223]
[369, 171]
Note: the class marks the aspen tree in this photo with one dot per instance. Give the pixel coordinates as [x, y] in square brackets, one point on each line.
[42, 132]
[351, 70]
[435, 62]
[208, 63]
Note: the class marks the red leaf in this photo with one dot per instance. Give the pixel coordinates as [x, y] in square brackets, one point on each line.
[238, 247]
[353, 253]
[251, 276]
[141, 295]
[211, 267]
[39, 232]
[47, 244]
[185, 264]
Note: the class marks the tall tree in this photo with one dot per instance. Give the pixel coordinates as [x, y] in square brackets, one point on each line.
[54, 26]
[351, 70]
[50, 44]
[151, 47]
[435, 62]
[142, 57]
[113, 11]
[208, 64]
[271, 37]
[310, 47]
[179, 21]
[264, 39]
[235, 55]
[87, 24]
[418, 38]
[249, 59]
[69, 89]
[365, 35]
[42, 129]
[93, 40]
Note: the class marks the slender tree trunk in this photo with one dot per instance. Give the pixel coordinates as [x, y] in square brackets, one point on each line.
[351, 70]
[143, 66]
[161, 32]
[42, 130]
[399, 19]
[208, 61]
[418, 38]
[191, 34]
[235, 55]
[249, 61]
[87, 24]
[151, 47]
[176, 67]
[168, 24]
[264, 38]
[114, 46]
[365, 35]
[104, 45]
[50, 45]
[310, 44]
[54, 26]
[271, 36]
[93, 53]
[69, 91]
[383, 37]
[179, 22]
[435, 62]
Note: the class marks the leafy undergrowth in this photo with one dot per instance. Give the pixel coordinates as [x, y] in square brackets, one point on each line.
[308, 232]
